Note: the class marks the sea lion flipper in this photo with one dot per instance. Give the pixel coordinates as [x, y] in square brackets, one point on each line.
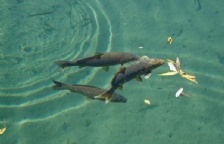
[120, 87]
[58, 85]
[138, 78]
[106, 68]
[62, 64]
[122, 69]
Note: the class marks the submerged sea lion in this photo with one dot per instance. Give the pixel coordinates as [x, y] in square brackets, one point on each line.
[100, 60]
[88, 91]
[125, 74]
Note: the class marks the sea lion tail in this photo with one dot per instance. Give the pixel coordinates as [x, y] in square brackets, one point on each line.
[63, 64]
[58, 85]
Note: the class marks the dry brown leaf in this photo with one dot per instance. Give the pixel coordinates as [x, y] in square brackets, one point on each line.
[177, 64]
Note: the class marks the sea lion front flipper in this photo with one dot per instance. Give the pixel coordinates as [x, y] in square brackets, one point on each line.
[138, 78]
[106, 68]
[120, 87]
[121, 69]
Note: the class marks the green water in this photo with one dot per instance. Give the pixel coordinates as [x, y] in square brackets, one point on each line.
[33, 34]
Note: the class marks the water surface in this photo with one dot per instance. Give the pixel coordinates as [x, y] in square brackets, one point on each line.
[35, 34]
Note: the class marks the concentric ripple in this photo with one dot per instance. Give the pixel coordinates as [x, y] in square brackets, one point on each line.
[33, 39]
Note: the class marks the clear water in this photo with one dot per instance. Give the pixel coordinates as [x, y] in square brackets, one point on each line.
[33, 34]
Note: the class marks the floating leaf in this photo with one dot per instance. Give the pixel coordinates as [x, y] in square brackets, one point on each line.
[168, 74]
[177, 64]
[168, 60]
[176, 70]
[178, 93]
[192, 79]
[146, 101]
[2, 130]
[188, 76]
[171, 66]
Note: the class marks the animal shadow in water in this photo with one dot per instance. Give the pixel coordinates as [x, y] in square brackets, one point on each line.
[147, 107]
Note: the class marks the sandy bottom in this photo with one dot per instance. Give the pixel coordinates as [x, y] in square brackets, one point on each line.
[34, 34]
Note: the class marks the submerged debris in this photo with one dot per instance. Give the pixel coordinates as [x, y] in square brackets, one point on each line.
[2, 130]
[176, 70]
[169, 40]
[181, 92]
[146, 101]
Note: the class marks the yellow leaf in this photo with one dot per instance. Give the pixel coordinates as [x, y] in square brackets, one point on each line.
[147, 101]
[169, 40]
[188, 76]
[191, 79]
[181, 72]
[168, 74]
[2, 130]
[168, 60]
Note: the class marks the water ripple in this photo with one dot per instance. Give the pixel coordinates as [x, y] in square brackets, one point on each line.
[35, 38]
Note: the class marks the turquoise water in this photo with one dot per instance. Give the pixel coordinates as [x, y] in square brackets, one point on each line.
[33, 34]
